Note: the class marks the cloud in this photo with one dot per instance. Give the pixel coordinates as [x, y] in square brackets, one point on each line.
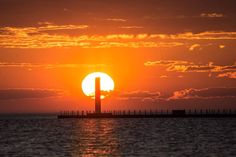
[48, 35]
[45, 23]
[166, 62]
[133, 44]
[131, 27]
[221, 46]
[142, 36]
[139, 95]
[202, 15]
[231, 75]
[194, 46]
[40, 37]
[163, 76]
[44, 26]
[46, 66]
[208, 35]
[116, 19]
[212, 15]
[190, 96]
[186, 66]
[204, 93]
[15, 94]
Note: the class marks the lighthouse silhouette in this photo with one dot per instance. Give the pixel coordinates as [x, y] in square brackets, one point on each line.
[97, 95]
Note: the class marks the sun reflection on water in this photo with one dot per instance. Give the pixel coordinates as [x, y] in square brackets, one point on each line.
[96, 137]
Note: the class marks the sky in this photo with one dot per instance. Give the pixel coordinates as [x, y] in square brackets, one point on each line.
[161, 54]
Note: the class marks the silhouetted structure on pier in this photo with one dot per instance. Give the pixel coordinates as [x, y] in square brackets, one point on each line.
[98, 111]
[151, 114]
[97, 96]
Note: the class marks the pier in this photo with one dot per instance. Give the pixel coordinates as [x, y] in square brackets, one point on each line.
[98, 113]
[150, 114]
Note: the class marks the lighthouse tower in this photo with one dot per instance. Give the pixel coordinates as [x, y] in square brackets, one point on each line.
[97, 96]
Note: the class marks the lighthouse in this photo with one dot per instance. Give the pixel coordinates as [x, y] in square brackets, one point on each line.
[97, 96]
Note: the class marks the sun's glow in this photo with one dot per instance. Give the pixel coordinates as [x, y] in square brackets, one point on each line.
[106, 83]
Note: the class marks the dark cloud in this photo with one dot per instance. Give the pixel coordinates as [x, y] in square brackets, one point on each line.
[13, 94]
[205, 98]
[204, 93]
[140, 95]
[186, 66]
[218, 92]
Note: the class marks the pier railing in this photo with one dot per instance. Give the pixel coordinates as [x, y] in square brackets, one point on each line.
[150, 113]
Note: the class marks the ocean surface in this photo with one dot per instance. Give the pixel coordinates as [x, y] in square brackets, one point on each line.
[47, 136]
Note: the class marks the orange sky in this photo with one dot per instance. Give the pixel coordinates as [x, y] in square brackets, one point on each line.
[160, 54]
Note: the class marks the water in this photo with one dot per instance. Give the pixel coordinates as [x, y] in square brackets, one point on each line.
[49, 136]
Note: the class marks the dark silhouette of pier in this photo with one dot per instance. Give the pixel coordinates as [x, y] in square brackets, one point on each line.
[97, 113]
[151, 114]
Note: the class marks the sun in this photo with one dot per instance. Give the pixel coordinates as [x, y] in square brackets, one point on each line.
[88, 84]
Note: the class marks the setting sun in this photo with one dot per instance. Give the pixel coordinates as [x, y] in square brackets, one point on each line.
[88, 84]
